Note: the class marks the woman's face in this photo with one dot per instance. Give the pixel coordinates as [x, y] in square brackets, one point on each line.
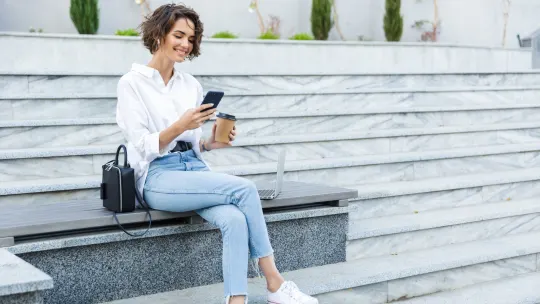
[178, 43]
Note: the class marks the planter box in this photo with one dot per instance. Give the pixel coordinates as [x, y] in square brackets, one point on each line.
[111, 55]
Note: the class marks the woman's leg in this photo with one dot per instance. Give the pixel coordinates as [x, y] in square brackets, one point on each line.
[180, 191]
[232, 223]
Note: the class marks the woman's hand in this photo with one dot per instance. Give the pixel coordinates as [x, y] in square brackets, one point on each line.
[212, 144]
[195, 118]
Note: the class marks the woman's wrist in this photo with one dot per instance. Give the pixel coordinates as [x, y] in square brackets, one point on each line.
[205, 146]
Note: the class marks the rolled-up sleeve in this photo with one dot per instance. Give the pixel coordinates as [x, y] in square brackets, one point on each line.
[133, 120]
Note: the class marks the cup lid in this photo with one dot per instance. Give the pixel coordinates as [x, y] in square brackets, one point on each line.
[226, 116]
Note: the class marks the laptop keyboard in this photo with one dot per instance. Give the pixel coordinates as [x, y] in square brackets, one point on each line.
[266, 193]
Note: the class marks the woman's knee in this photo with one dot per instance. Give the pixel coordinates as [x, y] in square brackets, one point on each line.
[247, 187]
[232, 220]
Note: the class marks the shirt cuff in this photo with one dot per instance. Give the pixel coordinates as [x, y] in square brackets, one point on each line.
[153, 146]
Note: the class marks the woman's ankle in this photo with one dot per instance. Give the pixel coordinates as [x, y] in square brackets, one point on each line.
[237, 300]
[274, 283]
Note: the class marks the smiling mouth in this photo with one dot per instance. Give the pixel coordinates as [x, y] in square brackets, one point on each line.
[180, 52]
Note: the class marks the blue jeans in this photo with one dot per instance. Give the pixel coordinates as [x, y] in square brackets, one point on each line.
[180, 182]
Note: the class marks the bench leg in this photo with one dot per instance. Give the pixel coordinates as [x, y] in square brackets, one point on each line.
[195, 219]
[341, 203]
[6, 241]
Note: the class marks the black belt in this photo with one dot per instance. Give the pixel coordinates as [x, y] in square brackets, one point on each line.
[182, 146]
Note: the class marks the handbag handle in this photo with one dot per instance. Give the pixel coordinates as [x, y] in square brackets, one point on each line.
[121, 147]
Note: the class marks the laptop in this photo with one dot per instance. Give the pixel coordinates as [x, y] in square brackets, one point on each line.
[269, 194]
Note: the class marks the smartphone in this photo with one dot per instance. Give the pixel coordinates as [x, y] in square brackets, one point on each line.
[213, 97]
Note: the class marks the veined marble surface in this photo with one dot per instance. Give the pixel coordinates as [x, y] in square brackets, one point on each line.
[36, 199]
[33, 109]
[17, 85]
[52, 136]
[423, 239]
[320, 83]
[458, 140]
[368, 294]
[59, 136]
[408, 204]
[297, 151]
[346, 176]
[266, 105]
[353, 123]
[418, 285]
[375, 101]
[476, 164]
[243, 161]
[459, 277]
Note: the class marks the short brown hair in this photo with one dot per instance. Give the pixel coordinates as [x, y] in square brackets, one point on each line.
[158, 24]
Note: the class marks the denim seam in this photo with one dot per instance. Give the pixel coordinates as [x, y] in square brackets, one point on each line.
[167, 191]
[228, 287]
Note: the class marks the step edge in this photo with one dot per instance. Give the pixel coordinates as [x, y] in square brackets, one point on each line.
[372, 134]
[441, 89]
[527, 207]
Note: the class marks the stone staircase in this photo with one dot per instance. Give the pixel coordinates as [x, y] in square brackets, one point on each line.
[446, 165]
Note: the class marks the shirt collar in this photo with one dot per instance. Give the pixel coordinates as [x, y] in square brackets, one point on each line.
[149, 72]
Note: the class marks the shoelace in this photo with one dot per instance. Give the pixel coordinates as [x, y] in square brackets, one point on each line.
[292, 291]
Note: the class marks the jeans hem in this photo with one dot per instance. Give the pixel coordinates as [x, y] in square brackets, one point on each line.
[258, 256]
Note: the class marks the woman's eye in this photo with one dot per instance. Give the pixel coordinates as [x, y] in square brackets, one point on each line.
[178, 37]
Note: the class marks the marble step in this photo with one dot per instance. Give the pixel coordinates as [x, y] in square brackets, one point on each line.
[350, 169]
[402, 233]
[43, 84]
[520, 289]
[37, 191]
[100, 131]
[399, 188]
[318, 147]
[301, 103]
[519, 188]
[382, 279]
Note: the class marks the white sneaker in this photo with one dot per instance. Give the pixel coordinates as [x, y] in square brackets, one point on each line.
[288, 293]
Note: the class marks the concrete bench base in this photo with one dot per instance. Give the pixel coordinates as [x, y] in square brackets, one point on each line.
[23, 298]
[121, 269]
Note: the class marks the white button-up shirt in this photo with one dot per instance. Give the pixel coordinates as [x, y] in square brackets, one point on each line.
[146, 106]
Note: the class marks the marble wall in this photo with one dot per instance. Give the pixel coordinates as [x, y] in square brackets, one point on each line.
[61, 54]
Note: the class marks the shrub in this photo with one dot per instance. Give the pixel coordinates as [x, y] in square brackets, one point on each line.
[33, 30]
[127, 32]
[301, 36]
[321, 18]
[85, 15]
[268, 35]
[393, 21]
[225, 35]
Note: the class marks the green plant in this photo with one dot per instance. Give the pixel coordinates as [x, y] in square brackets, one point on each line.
[33, 30]
[321, 18]
[393, 21]
[127, 32]
[301, 36]
[268, 35]
[85, 15]
[225, 34]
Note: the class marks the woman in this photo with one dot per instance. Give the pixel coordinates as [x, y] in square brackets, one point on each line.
[159, 112]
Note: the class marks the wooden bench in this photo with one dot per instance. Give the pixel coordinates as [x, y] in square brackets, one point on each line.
[89, 215]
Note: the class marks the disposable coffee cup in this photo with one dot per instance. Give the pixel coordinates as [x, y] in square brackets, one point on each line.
[225, 124]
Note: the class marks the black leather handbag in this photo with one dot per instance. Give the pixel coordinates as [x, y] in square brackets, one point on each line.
[118, 189]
